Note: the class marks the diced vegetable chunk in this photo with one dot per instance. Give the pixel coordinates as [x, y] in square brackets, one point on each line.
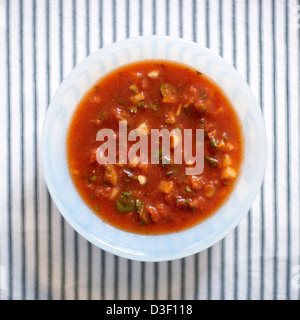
[170, 118]
[142, 179]
[228, 173]
[125, 202]
[145, 216]
[212, 134]
[196, 182]
[229, 146]
[221, 144]
[93, 178]
[137, 98]
[167, 89]
[153, 74]
[213, 143]
[139, 205]
[144, 127]
[178, 112]
[182, 203]
[130, 174]
[169, 99]
[133, 109]
[114, 193]
[200, 107]
[172, 171]
[155, 216]
[212, 161]
[134, 88]
[166, 186]
[203, 94]
[142, 212]
[209, 190]
[133, 163]
[175, 140]
[110, 174]
[226, 160]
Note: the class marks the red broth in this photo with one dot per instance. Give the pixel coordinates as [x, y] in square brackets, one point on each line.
[155, 198]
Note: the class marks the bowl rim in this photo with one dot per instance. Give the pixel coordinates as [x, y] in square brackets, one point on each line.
[116, 247]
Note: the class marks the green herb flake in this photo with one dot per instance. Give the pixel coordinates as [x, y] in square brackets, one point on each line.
[108, 169]
[125, 202]
[133, 109]
[119, 100]
[171, 172]
[225, 136]
[139, 206]
[141, 105]
[92, 178]
[212, 161]
[153, 106]
[213, 143]
[134, 88]
[103, 115]
[130, 174]
[203, 95]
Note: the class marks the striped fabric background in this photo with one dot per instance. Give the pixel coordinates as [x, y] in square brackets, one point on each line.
[41, 257]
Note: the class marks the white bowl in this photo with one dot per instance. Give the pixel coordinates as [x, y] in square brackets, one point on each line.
[166, 246]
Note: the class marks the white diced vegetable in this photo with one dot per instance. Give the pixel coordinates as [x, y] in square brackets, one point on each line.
[142, 179]
[228, 173]
[153, 74]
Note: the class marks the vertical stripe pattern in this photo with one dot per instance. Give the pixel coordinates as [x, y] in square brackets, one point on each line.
[41, 256]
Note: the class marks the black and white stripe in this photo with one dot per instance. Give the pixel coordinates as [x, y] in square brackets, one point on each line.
[41, 256]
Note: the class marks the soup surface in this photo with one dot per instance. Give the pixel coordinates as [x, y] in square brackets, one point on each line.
[146, 197]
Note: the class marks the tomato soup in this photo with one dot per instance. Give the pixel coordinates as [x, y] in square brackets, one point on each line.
[157, 198]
